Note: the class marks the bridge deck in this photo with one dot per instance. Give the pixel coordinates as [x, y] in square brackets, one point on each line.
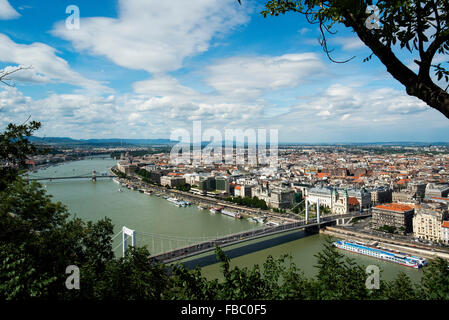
[74, 177]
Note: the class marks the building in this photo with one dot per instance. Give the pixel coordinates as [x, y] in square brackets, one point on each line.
[150, 167]
[126, 167]
[338, 200]
[340, 205]
[437, 190]
[395, 215]
[192, 178]
[403, 196]
[172, 181]
[428, 220]
[418, 190]
[381, 195]
[246, 190]
[157, 175]
[237, 191]
[362, 196]
[222, 184]
[206, 183]
[414, 193]
[276, 198]
[445, 232]
[281, 199]
[440, 200]
[324, 195]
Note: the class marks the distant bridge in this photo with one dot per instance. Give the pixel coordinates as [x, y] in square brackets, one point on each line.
[74, 177]
[92, 176]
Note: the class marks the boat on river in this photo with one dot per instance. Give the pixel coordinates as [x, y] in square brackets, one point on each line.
[373, 250]
[231, 214]
[179, 203]
[258, 219]
[215, 209]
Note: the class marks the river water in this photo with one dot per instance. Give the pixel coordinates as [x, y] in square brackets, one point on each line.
[161, 225]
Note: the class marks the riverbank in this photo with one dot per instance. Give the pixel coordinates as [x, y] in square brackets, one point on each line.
[391, 244]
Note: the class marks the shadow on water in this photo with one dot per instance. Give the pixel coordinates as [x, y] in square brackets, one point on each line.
[245, 249]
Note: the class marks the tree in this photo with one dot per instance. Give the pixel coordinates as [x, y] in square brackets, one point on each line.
[435, 281]
[418, 26]
[184, 187]
[339, 277]
[15, 149]
[401, 288]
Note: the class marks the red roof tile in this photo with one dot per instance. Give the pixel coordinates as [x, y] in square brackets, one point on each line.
[353, 201]
[394, 207]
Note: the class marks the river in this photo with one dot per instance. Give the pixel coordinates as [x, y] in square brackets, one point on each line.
[161, 225]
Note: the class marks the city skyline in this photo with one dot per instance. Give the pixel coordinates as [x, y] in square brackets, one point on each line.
[131, 72]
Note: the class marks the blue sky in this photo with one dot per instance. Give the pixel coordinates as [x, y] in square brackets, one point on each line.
[143, 68]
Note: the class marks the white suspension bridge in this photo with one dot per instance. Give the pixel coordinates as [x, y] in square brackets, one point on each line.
[169, 248]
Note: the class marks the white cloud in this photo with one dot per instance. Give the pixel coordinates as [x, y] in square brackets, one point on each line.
[303, 31]
[7, 12]
[88, 116]
[46, 65]
[239, 83]
[252, 76]
[339, 113]
[348, 43]
[155, 35]
[338, 100]
[162, 85]
[344, 113]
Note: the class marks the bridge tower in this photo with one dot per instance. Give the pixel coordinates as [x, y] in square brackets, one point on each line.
[128, 232]
[94, 176]
[318, 210]
[307, 209]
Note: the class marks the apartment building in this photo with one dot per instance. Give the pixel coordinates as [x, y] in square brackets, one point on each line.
[172, 181]
[380, 195]
[427, 221]
[395, 215]
[445, 232]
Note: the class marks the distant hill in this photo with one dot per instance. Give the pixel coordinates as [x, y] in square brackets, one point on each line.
[113, 141]
[148, 142]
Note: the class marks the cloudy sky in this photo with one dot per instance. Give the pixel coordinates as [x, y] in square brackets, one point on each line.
[143, 68]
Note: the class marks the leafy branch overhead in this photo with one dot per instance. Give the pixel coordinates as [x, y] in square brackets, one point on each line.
[419, 28]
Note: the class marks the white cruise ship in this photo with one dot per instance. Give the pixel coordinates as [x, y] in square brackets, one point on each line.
[372, 251]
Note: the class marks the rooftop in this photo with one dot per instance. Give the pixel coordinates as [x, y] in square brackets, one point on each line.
[394, 207]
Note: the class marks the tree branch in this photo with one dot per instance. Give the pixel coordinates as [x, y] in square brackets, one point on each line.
[4, 74]
[423, 89]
